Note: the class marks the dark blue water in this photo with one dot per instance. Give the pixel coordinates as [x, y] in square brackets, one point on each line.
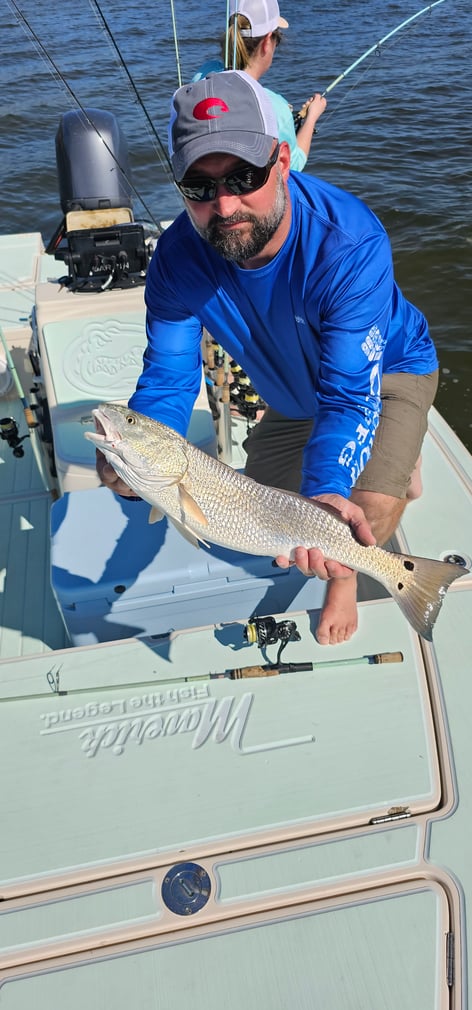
[397, 131]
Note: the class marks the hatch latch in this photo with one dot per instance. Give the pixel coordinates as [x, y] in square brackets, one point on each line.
[393, 814]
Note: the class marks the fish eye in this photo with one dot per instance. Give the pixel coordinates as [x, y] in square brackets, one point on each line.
[130, 419]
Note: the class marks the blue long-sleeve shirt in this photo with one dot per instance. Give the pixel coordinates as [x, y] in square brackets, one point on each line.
[314, 328]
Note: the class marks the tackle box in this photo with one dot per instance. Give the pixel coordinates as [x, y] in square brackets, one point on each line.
[124, 577]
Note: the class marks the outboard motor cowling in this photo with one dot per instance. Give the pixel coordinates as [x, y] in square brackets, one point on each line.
[92, 161]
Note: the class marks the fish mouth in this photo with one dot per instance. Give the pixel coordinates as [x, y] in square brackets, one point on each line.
[105, 431]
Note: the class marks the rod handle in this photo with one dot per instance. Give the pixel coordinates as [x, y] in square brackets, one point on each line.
[387, 657]
[295, 667]
[253, 671]
[30, 418]
[266, 671]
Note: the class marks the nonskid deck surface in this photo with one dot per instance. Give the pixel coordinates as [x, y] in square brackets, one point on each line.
[180, 819]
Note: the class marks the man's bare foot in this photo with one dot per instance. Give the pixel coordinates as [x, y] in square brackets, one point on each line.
[416, 485]
[338, 620]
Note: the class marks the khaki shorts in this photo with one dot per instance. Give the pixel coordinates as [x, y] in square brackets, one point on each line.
[275, 446]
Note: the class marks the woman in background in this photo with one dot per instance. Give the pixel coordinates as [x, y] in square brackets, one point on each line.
[258, 26]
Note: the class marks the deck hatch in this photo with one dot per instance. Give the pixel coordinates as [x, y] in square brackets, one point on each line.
[108, 777]
[387, 948]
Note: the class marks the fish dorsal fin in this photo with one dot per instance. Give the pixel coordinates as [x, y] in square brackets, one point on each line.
[189, 535]
[155, 515]
[189, 507]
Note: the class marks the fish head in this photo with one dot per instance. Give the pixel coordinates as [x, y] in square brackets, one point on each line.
[147, 455]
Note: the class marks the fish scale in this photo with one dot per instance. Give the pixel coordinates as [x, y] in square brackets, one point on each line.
[209, 501]
[267, 521]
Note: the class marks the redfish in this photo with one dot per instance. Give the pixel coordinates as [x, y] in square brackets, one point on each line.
[210, 502]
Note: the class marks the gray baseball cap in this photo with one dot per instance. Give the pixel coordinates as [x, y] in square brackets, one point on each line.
[225, 113]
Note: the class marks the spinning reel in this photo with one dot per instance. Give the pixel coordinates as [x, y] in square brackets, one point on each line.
[266, 631]
[9, 434]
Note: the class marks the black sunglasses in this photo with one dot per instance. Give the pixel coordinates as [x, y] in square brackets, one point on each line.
[242, 180]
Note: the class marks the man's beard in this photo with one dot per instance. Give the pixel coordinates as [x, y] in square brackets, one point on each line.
[238, 247]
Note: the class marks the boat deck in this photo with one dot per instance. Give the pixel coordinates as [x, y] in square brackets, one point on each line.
[193, 832]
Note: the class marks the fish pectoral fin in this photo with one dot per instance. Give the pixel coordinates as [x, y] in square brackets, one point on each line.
[155, 515]
[190, 508]
[189, 535]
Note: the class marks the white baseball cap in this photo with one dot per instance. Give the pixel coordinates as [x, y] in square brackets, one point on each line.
[263, 16]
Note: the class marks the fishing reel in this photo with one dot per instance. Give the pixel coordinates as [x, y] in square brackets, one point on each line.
[300, 116]
[266, 631]
[9, 434]
[243, 396]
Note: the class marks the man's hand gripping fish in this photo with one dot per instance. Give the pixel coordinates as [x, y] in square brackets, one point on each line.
[209, 501]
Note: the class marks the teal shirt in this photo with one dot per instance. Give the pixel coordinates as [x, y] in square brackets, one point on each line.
[286, 130]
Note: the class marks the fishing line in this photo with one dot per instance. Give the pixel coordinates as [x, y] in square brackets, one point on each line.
[49, 62]
[33, 38]
[356, 82]
[162, 151]
[376, 47]
[372, 50]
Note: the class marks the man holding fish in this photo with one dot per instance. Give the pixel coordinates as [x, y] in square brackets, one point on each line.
[294, 278]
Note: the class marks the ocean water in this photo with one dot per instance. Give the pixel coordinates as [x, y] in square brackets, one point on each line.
[397, 130]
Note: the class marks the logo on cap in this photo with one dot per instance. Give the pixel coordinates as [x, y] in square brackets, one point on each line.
[210, 108]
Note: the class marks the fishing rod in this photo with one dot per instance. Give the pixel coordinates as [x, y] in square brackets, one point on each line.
[372, 49]
[243, 673]
[235, 37]
[163, 152]
[49, 60]
[176, 44]
[376, 47]
[277, 669]
[227, 36]
[29, 416]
